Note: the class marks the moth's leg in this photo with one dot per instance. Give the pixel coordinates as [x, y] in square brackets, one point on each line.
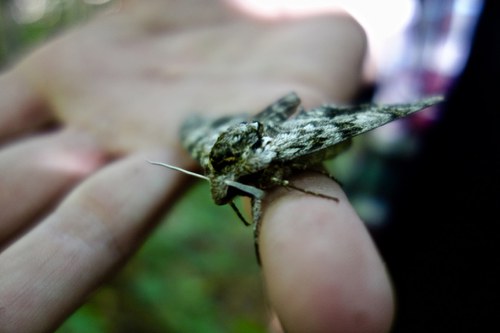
[316, 194]
[238, 213]
[257, 224]
[287, 184]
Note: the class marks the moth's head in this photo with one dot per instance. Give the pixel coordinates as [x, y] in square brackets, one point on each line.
[234, 147]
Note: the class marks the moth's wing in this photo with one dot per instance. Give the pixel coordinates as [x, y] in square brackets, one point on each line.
[314, 133]
[278, 112]
[198, 135]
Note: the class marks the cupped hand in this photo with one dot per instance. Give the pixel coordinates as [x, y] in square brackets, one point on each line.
[80, 115]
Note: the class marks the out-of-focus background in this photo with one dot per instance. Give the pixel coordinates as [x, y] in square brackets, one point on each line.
[25, 23]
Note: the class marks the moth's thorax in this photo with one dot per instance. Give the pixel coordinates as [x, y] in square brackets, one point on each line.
[238, 149]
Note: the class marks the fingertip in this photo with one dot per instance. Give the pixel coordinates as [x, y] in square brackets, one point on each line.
[322, 270]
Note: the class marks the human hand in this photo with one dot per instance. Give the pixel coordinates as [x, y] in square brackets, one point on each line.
[117, 89]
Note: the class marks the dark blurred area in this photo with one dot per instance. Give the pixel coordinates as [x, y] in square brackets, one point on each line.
[441, 244]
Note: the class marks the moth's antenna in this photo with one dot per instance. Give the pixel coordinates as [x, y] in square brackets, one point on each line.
[255, 192]
[179, 169]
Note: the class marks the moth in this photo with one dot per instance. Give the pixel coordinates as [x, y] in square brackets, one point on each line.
[245, 155]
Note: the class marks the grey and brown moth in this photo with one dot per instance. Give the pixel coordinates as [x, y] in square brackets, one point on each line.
[246, 155]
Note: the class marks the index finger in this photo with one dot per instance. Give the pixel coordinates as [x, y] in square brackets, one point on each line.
[321, 268]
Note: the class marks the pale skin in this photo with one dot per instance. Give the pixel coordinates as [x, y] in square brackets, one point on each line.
[80, 116]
